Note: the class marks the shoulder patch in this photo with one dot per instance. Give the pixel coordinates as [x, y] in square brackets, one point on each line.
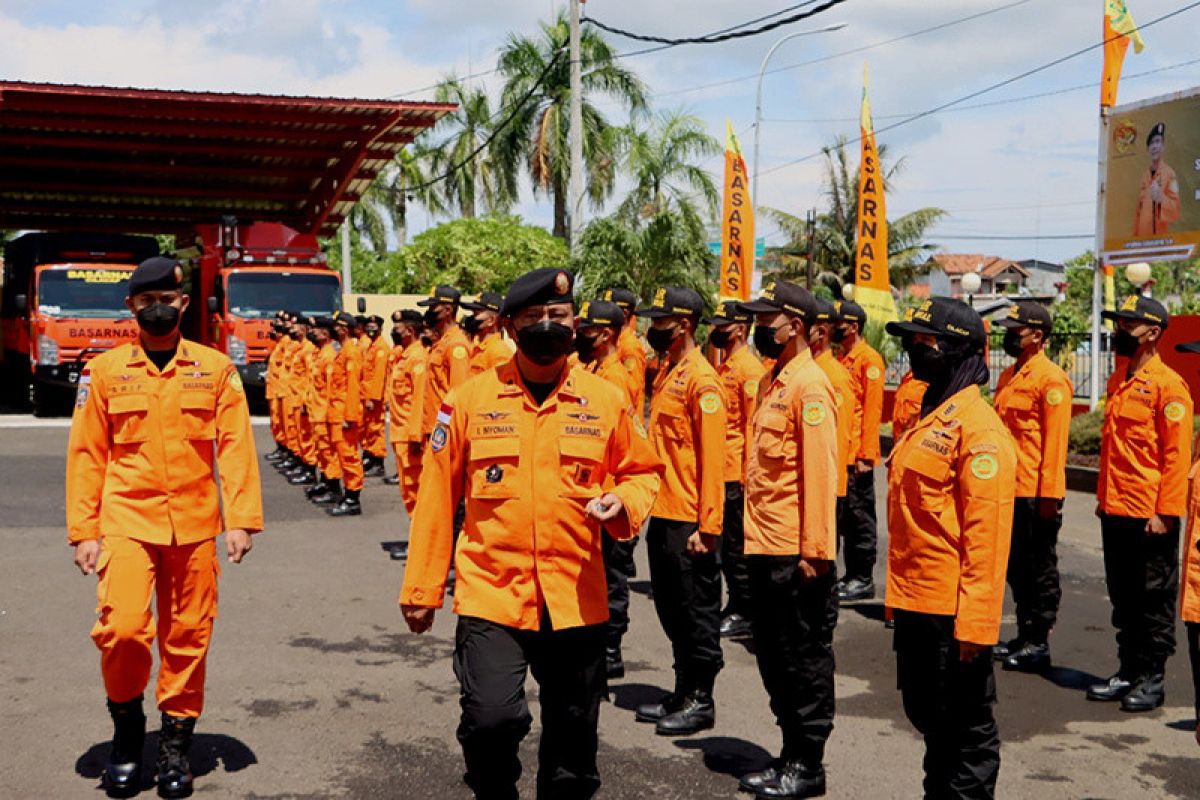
[1055, 397]
[458, 352]
[874, 373]
[710, 402]
[438, 440]
[814, 413]
[418, 368]
[751, 387]
[1174, 411]
[985, 466]
[235, 383]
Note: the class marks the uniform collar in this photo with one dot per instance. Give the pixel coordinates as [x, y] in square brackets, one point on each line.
[799, 360]
[512, 383]
[183, 356]
[956, 402]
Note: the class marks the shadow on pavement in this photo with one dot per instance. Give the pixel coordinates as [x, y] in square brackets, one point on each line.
[629, 696]
[727, 755]
[641, 587]
[867, 609]
[1071, 678]
[208, 750]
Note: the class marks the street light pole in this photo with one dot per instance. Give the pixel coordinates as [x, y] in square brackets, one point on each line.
[759, 101]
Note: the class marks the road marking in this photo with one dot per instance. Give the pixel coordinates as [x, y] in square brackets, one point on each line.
[17, 421]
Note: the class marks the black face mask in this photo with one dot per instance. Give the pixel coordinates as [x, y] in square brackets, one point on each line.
[397, 338]
[1012, 343]
[838, 335]
[927, 364]
[544, 342]
[432, 317]
[294, 336]
[312, 337]
[585, 346]
[719, 339]
[660, 338]
[158, 319]
[764, 342]
[427, 341]
[1125, 344]
[373, 333]
[470, 325]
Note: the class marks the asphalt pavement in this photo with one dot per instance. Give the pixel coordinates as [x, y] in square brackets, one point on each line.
[316, 690]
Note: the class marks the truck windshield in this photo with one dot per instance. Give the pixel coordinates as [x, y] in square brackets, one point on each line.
[259, 295]
[84, 292]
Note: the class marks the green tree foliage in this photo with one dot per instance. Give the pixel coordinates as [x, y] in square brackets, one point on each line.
[536, 141]
[480, 182]
[662, 161]
[666, 249]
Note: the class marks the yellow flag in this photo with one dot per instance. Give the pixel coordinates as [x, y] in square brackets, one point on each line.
[1119, 30]
[872, 285]
[737, 224]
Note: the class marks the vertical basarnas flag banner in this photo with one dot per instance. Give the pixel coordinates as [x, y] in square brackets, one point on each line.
[1119, 30]
[872, 286]
[737, 224]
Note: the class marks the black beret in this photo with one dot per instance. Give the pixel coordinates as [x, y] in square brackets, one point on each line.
[158, 274]
[544, 286]
[325, 323]
[1159, 129]
[378, 320]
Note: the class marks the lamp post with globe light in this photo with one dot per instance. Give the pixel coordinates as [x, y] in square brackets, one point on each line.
[970, 284]
[1141, 276]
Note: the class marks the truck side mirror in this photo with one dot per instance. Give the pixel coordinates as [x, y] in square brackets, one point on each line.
[362, 305]
[212, 305]
[22, 303]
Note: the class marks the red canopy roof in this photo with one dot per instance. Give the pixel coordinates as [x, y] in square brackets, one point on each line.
[138, 160]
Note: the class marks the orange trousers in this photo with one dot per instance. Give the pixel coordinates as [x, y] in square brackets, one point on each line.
[291, 434]
[308, 440]
[275, 409]
[408, 467]
[346, 441]
[182, 579]
[374, 431]
[327, 457]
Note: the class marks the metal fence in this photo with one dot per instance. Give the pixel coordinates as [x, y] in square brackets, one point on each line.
[1071, 351]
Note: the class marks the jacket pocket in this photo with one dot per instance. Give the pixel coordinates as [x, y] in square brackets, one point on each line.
[926, 481]
[494, 467]
[775, 437]
[129, 414]
[581, 462]
[199, 415]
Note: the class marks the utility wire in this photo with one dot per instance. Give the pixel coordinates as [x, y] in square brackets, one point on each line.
[1015, 237]
[713, 38]
[987, 89]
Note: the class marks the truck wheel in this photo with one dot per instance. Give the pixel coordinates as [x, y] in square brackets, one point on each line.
[43, 399]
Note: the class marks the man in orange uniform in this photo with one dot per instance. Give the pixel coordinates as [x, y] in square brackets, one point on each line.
[143, 513]
[488, 348]
[289, 399]
[791, 539]
[303, 362]
[598, 328]
[530, 446]
[405, 402]
[1158, 203]
[271, 389]
[741, 373]
[906, 405]
[820, 342]
[857, 526]
[374, 391]
[950, 510]
[1145, 451]
[1033, 399]
[450, 356]
[687, 428]
[629, 347]
[328, 488]
[345, 415]
[1189, 588]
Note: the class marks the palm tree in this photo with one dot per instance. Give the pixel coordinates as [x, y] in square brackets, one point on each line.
[537, 138]
[662, 162]
[834, 236]
[477, 182]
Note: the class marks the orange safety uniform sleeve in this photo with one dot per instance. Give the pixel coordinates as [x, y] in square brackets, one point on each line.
[791, 480]
[1189, 577]
[867, 368]
[613, 371]
[353, 373]
[375, 372]
[687, 425]
[906, 405]
[633, 356]
[950, 512]
[1146, 442]
[490, 353]
[489, 443]
[1035, 405]
[848, 412]
[741, 375]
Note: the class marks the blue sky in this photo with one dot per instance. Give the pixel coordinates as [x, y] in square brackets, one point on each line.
[1020, 168]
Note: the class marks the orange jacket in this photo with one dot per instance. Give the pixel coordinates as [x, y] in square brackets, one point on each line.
[527, 474]
[271, 389]
[846, 402]
[286, 349]
[1189, 578]
[318, 404]
[866, 367]
[791, 481]
[298, 371]
[1035, 406]
[906, 405]
[613, 371]
[633, 356]
[449, 365]
[406, 396]
[488, 353]
[142, 447]
[741, 375]
[375, 370]
[687, 428]
[345, 385]
[1145, 444]
[950, 512]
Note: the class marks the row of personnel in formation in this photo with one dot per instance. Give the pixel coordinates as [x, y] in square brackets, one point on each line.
[534, 476]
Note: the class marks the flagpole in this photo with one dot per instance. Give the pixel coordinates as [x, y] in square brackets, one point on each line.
[1098, 274]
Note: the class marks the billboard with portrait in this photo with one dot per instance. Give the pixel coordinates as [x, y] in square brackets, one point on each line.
[1152, 183]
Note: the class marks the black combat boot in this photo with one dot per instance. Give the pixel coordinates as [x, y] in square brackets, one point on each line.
[1147, 694]
[331, 496]
[174, 769]
[1115, 688]
[349, 507]
[277, 454]
[614, 664]
[794, 779]
[1030, 657]
[734, 626]
[307, 477]
[320, 487]
[372, 466]
[392, 480]
[123, 772]
[698, 713]
[653, 712]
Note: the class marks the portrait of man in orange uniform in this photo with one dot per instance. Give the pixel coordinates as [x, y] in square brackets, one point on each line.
[1158, 191]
